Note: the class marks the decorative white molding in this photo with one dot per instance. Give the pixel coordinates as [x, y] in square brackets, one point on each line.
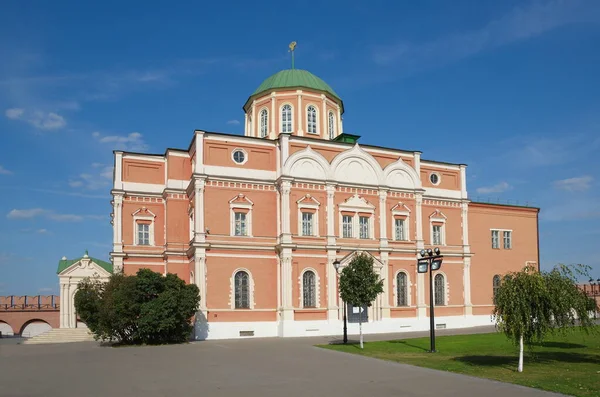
[144, 214]
[307, 164]
[153, 188]
[239, 149]
[246, 204]
[309, 202]
[356, 166]
[250, 287]
[356, 204]
[408, 288]
[438, 216]
[434, 192]
[236, 172]
[446, 288]
[402, 210]
[317, 287]
[178, 184]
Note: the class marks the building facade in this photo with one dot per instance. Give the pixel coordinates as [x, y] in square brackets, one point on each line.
[256, 221]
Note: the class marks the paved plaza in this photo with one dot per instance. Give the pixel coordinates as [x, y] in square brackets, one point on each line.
[258, 367]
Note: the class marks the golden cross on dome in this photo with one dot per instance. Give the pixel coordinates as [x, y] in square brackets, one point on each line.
[292, 48]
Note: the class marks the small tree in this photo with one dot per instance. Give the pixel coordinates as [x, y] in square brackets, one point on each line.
[360, 285]
[530, 304]
[145, 308]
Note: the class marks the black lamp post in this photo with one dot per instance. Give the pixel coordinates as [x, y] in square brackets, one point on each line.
[336, 265]
[431, 259]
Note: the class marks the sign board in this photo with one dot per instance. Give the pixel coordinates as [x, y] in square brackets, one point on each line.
[357, 314]
[436, 264]
[422, 265]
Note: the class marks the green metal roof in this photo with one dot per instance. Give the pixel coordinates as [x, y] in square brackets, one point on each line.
[65, 263]
[294, 78]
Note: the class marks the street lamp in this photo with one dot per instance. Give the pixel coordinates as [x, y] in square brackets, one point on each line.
[337, 265]
[431, 259]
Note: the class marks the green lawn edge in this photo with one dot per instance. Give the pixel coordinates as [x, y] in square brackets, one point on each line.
[567, 363]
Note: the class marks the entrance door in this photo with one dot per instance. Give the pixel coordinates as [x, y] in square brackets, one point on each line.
[357, 314]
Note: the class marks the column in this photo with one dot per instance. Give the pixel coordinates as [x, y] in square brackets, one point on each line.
[62, 306]
[71, 304]
[323, 132]
[383, 218]
[467, 285]
[299, 113]
[385, 296]
[273, 116]
[246, 129]
[286, 187]
[340, 129]
[199, 229]
[332, 292]
[200, 275]
[117, 223]
[253, 120]
[421, 308]
[287, 314]
[330, 214]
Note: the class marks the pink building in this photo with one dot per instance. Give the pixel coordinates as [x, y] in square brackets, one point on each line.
[256, 221]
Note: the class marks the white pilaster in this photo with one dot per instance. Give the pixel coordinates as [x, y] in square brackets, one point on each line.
[417, 159]
[467, 284]
[340, 129]
[199, 228]
[330, 215]
[200, 275]
[117, 222]
[199, 164]
[421, 308]
[300, 113]
[463, 181]
[253, 121]
[383, 218]
[465, 227]
[323, 118]
[385, 296]
[274, 116]
[284, 148]
[63, 307]
[332, 292]
[246, 129]
[286, 187]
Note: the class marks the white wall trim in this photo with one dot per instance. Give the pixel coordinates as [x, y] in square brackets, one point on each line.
[248, 204]
[317, 287]
[232, 288]
[408, 288]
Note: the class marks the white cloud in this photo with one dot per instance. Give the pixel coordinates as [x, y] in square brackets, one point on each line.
[32, 213]
[233, 122]
[521, 23]
[133, 142]
[497, 188]
[577, 184]
[46, 289]
[4, 171]
[101, 178]
[37, 118]
[42, 231]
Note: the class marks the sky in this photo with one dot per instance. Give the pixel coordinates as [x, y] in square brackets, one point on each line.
[509, 88]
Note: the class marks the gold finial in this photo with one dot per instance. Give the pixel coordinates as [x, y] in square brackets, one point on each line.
[292, 48]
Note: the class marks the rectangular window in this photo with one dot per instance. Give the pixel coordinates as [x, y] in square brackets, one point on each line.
[363, 223]
[143, 230]
[307, 224]
[399, 229]
[437, 235]
[241, 228]
[495, 239]
[347, 226]
[507, 240]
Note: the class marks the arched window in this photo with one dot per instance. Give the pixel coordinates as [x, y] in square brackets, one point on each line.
[311, 115]
[264, 123]
[439, 290]
[309, 291]
[242, 290]
[331, 124]
[401, 289]
[495, 285]
[286, 118]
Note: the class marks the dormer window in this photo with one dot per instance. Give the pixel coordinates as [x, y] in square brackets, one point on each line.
[311, 124]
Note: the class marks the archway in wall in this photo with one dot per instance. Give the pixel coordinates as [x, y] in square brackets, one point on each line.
[6, 329]
[34, 327]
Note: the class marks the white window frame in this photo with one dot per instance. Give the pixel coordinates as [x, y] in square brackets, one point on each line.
[445, 300]
[355, 205]
[401, 210]
[232, 288]
[308, 202]
[510, 243]
[501, 238]
[439, 178]
[144, 214]
[263, 129]
[408, 288]
[438, 217]
[367, 229]
[351, 226]
[331, 125]
[316, 124]
[238, 149]
[291, 118]
[232, 210]
[317, 288]
[497, 240]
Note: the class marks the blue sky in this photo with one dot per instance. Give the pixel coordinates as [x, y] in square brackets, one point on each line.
[510, 88]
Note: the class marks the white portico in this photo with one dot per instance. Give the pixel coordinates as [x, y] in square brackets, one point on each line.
[70, 273]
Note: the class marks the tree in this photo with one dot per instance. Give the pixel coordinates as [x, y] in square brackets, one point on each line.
[143, 309]
[530, 304]
[360, 285]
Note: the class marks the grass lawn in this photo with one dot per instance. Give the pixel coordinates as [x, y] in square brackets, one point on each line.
[567, 364]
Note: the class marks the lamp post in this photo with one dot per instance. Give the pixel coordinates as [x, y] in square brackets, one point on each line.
[432, 260]
[336, 265]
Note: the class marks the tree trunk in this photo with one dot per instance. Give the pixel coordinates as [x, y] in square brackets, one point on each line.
[520, 369]
[360, 331]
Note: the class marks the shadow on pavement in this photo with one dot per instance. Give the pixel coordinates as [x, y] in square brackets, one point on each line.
[540, 357]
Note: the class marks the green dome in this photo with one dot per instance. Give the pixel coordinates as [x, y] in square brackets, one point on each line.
[294, 78]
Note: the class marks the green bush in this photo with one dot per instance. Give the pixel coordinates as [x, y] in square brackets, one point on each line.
[143, 309]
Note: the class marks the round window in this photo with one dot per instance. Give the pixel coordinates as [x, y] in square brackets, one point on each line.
[434, 178]
[239, 156]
